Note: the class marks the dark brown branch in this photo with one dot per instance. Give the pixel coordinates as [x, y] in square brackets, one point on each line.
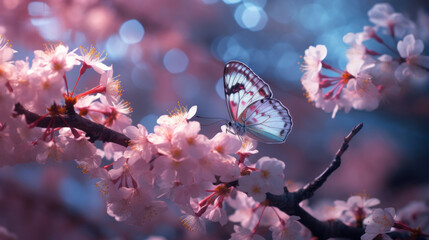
[93, 130]
[308, 190]
[289, 202]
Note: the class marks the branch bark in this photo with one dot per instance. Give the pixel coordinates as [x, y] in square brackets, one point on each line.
[308, 190]
[289, 202]
[94, 131]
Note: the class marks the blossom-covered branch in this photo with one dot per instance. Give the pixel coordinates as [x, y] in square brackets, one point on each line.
[94, 131]
[289, 202]
[139, 173]
[372, 74]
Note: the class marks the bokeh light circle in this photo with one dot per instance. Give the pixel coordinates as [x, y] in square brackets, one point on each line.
[116, 48]
[250, 16]
[175, 61]
[131, 31]
[231, 1]
[39, 9]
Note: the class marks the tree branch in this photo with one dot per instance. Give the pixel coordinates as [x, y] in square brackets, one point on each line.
[288, 202]
[93, 130]
[308, 190]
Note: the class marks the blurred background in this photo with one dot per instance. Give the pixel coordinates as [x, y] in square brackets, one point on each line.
[169, 51]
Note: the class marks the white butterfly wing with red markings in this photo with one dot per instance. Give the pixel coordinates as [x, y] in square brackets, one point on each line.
[267, 120]
[242, 88]
[251, 106]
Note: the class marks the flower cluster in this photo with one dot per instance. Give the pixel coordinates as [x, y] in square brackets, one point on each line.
[370, 75]
[175, 162]
[358, 211]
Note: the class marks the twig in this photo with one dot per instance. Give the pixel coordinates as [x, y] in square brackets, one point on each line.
[308, 190]
[288, 202]
[93, 130]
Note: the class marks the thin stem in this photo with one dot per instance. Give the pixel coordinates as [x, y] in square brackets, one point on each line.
[67, 86]
[97, 89]
[82, 70]
[329, 67]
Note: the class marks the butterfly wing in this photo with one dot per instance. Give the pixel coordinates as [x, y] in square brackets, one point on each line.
[242, 88]
[267, 120]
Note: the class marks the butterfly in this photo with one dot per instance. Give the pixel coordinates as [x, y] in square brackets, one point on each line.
[251, 108]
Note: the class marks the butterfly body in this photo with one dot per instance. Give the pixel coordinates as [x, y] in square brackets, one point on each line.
[251, 108]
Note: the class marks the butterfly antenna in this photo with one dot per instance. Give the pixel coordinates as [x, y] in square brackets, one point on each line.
[222, 120]
[198, 116]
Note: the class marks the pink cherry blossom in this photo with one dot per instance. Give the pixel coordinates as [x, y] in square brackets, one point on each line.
[313, 58]
[379, 222]
[289, 230]
[163, 132]
[116, 114]
[270, 172]
[415, 66]
[92, 58]
[383, 15]
[215, 213]
[187, 138]
[244, 210]
[360, 91]
[56, 60]
[356, 209]
[225, 144]
[111, 85]
[253, 186]
[49, 151]
[6, 52]
[415, 214]
[140, 145]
